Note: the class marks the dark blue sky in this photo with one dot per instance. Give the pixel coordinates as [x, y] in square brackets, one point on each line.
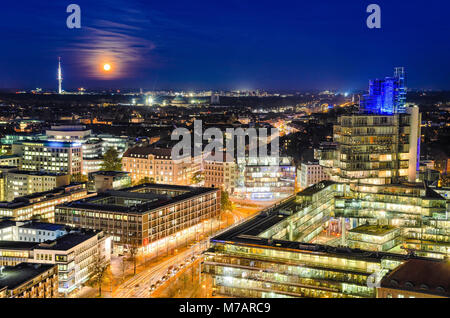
[231, 44]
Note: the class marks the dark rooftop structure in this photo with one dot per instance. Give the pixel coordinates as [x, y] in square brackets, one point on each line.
[43, 226]
[36, 173]
[109, 173]
[18, 245]
[14, 276]
[139, 199]
[316, 188]
[68, 241]
[30, 224]
[147, 150]
[421, 276]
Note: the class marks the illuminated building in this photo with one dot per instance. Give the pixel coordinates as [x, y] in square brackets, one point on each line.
[311, 173]
[221, 174]
[157, 165]
[3, 172]
[50, 156]
[271, 254]
[10, 160]
[67, 133]
[266, 178]
[375, 149]
[373, 237]
[386, 96]
[144, 215]
[29, 280]
[74, 253]
[417, 279]
[41, 205]
[20, 183]
[30, 231]
[93, 146]
[102, 181]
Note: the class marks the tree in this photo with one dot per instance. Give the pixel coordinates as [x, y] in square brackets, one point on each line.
[78, 177]
[197, 177]
[99, 268]
[225, 202]
[123, 266]
[132, 255]
[111, 161]
[145, 180]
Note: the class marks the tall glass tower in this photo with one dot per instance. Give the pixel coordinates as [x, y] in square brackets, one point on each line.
[386, 96]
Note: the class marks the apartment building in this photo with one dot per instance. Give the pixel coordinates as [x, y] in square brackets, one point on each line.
[221, 173]
[157, 165]
[29, 280]
[311, 173]
[50, 156]
[74, 254]
[30, 231]
[11, 160]
[42, 205]
[20, 183]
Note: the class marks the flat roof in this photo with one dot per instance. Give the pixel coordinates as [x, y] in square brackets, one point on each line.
[374, 229]
[154, 201]
[316, 188]
[17, 245]
[68, 241]
[4, 223]
[14, 276]
[109, 173]
[36, 173]
[43, 226]
[247, 234]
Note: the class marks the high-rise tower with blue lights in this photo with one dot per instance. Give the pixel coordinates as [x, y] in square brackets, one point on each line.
[386, 96]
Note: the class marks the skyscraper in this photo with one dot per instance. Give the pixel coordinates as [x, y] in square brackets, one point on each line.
[375, 148]
[386, 96]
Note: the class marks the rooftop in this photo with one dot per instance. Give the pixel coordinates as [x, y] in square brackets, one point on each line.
[146, 197]
[44, 226]
[68, 241]
[17, 245]
[14, 276]
[421, 276]
[36, 173]
[374, 229]
[316, 188]
[248, 233]
[109, 173]
[147, 150]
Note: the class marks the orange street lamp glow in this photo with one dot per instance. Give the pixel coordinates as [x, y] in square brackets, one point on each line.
[107, 67]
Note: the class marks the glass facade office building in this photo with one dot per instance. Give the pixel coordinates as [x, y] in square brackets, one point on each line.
[386, 96]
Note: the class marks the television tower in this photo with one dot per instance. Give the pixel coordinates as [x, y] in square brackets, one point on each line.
[59, 76]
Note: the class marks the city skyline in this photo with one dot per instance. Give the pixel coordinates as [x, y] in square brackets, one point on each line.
[293, 46]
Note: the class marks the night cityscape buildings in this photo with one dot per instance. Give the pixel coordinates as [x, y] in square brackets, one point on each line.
[196, 152]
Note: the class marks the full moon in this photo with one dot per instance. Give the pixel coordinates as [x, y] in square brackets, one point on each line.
[107, 67]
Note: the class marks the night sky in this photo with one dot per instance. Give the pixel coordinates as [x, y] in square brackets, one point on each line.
[233, 44]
